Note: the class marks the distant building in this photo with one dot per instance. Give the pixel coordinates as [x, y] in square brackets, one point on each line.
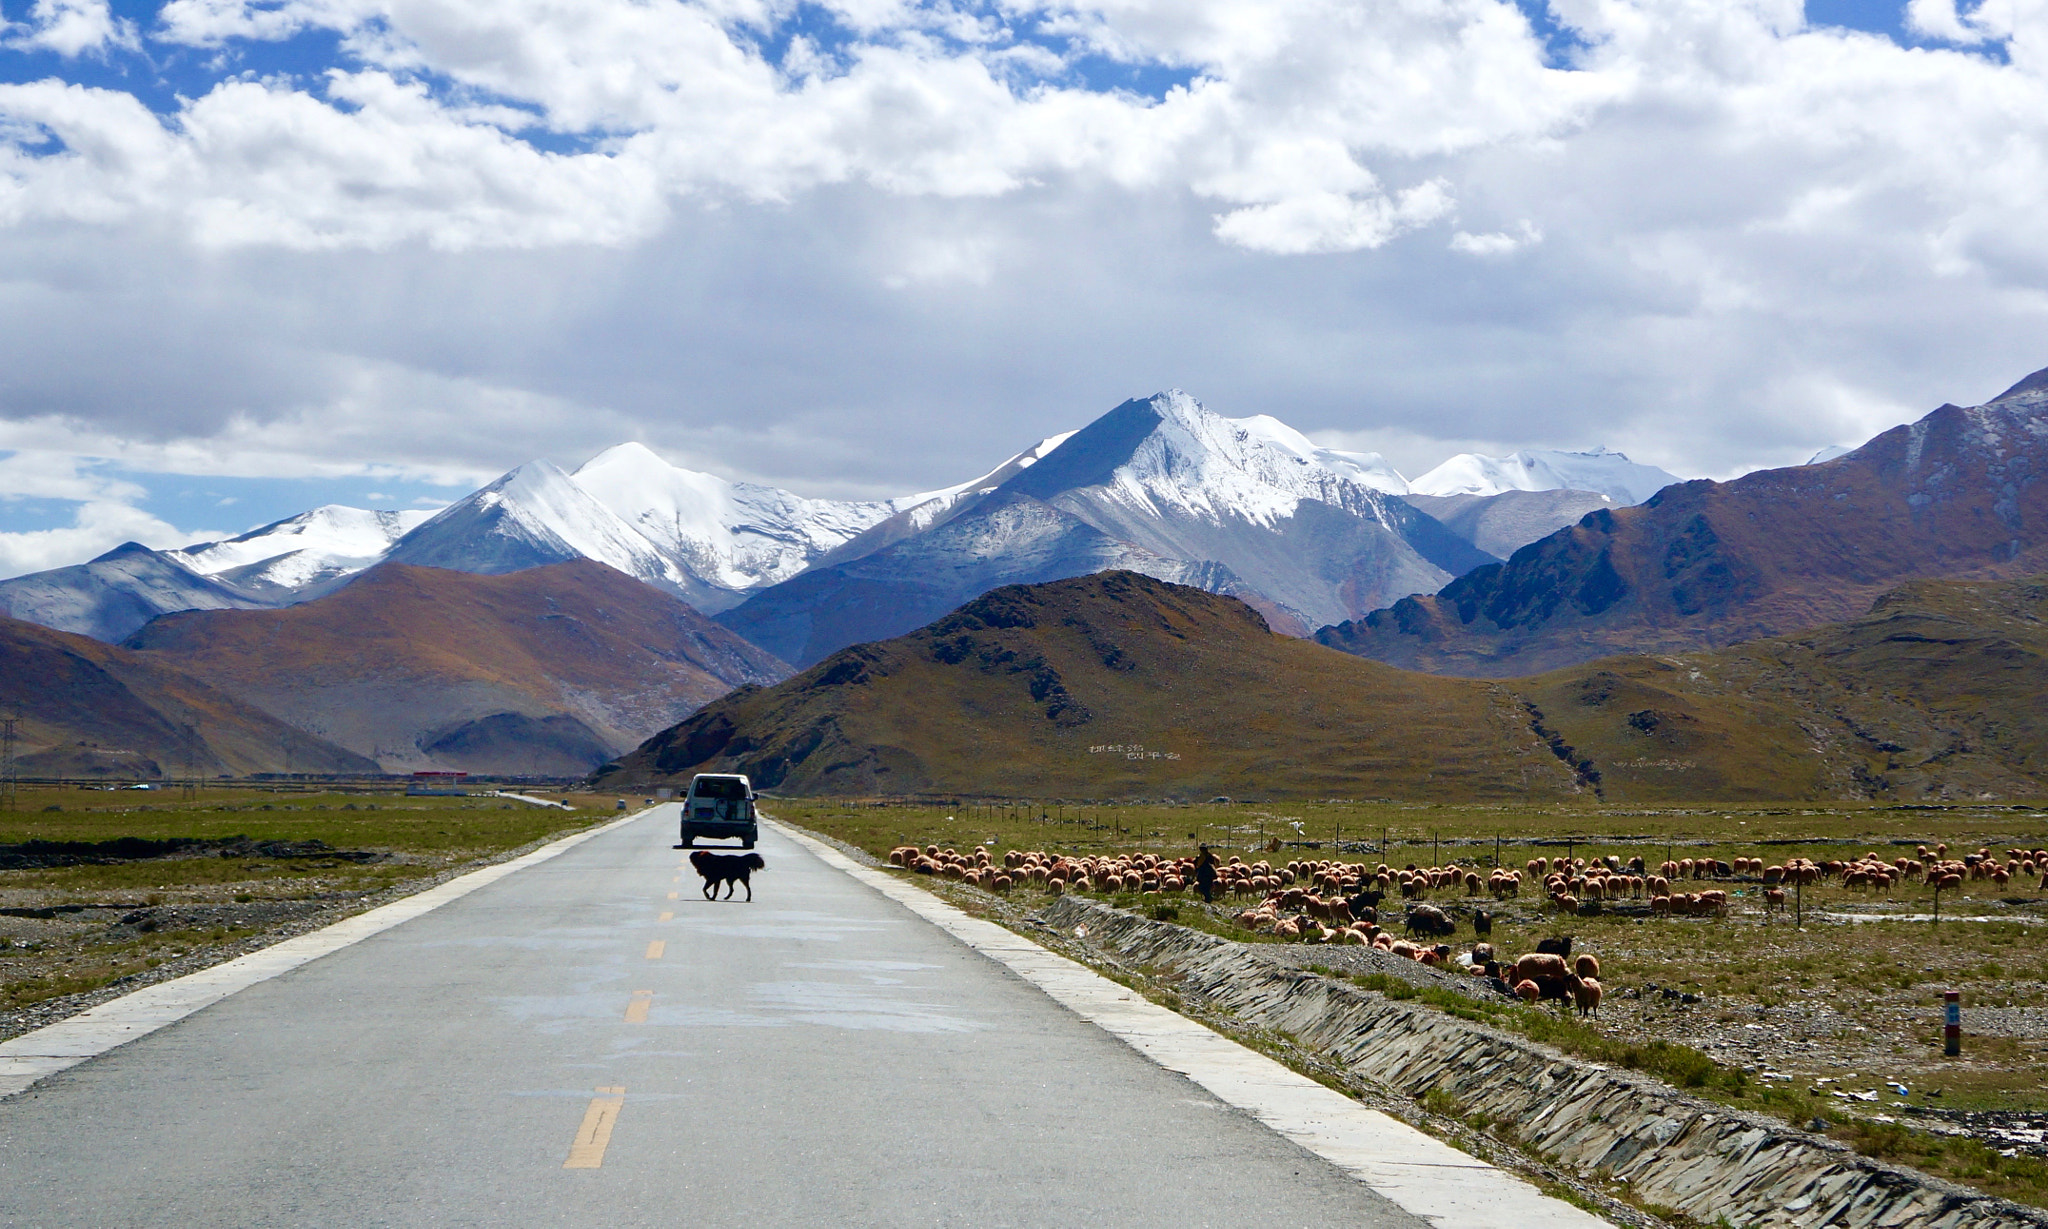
[437, 785]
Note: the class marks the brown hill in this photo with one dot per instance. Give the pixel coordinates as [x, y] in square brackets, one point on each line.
[551, 670]
[1936, 692]
[1106, 686]
[1118, 685]
[90, 709]
[1703, 564]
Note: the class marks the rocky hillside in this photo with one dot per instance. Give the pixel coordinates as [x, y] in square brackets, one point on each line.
[1118, 685]
[551, 670]
[89, 709]
[1959, 493]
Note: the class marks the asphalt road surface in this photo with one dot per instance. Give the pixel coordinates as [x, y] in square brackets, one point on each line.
[571, 1046]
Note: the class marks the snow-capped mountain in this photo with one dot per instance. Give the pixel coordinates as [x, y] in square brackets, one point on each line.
[328, 542]
[1774, 552]
[921, 513]
[1005, 540]
[1254, 506]
[727, 538]
[1310, 535]
[533, 515]
[1610, 473]
[113, 595]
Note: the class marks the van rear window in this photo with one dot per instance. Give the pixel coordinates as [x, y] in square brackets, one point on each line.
[718, 787]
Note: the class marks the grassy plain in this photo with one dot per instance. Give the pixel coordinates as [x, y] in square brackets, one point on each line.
[62, 934]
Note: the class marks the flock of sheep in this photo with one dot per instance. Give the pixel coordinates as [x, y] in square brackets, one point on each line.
[1339, 902]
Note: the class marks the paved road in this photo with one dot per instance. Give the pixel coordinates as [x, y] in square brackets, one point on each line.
[819, 1057]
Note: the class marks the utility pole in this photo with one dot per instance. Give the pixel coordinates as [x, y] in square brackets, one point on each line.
[191, 790]
[7, 765]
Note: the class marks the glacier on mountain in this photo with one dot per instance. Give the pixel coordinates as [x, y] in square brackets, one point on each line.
[330, 541]
[927, 511]
[728, 538]
[533, 515]
[1609, 473]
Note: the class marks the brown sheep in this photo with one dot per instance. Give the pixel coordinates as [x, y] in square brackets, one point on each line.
[1540, 967]
[1587, 965]
[1586, 994]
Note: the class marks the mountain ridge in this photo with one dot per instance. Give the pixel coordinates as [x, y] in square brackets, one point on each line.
[1115, 685]
[1157, 485]
[1703, 564]
[91, 709]
[557, 667]
[112, 595]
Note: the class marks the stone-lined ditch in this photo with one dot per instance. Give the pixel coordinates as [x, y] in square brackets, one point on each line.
[1708, 1161]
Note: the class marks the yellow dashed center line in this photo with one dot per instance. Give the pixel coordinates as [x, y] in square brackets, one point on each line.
[656, 948]
[666, 916]
[672, 895]
[636, 1010]
[595, 1135]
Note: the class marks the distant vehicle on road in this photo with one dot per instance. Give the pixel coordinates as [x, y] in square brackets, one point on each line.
[719, 806]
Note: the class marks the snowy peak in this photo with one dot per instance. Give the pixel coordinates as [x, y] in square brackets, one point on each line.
[533, 515]
[330, 541]
[952, 495]
[1170, 453]
[116, 593]
[1609, 473]
[732, 536]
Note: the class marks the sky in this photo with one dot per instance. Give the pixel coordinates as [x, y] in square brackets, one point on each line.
[259, 255]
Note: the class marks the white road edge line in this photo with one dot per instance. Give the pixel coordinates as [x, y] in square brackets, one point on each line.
[56, 1047]
[1421, 1174]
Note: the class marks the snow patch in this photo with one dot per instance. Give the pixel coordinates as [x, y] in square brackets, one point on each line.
[332, 540]
[1601, 470]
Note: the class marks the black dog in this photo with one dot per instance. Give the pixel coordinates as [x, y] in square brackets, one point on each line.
[727, 869]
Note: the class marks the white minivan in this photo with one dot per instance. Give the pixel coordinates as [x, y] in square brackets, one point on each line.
[719, 806]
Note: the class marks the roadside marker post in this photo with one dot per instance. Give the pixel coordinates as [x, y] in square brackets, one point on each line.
[1952, 1022]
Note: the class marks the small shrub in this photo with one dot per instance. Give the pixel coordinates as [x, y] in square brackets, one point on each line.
[1441, 1103]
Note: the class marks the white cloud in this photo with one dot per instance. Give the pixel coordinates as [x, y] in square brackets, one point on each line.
[73, 27]
[919, 241]
[97, 527]
[1332, 221]
[1985, 21]
[1496, 243]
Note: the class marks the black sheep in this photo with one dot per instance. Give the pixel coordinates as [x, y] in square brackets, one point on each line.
[1429, 920]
